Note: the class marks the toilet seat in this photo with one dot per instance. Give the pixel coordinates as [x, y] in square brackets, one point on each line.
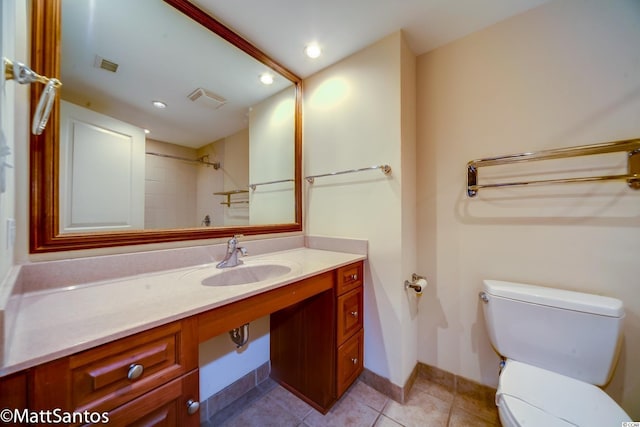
[532, 396]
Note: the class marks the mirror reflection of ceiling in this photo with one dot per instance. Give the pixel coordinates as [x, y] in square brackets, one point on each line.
[160, 55]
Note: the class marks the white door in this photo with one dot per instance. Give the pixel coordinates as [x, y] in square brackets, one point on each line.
[101, 172]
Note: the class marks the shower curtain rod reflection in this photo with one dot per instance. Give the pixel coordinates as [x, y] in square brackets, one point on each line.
[386, 169]
[216, 165]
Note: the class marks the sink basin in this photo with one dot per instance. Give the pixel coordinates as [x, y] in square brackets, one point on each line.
[252, 271]
[244, 274]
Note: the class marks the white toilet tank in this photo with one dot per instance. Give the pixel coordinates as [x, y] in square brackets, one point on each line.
[572, 333]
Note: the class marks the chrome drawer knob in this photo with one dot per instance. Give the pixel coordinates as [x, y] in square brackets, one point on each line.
[354, 360]
[354, 277]
[354, 313]
[135, 371]
[192, 406]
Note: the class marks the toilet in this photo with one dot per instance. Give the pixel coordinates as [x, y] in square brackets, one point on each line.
[559, 347]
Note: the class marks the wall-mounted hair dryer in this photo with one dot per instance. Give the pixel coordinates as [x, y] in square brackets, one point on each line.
[24, 75]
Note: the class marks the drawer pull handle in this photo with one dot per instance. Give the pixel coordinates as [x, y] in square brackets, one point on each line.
[354, 360]
[354, 314]
[135, 371]
[192, 406]
[354, 277]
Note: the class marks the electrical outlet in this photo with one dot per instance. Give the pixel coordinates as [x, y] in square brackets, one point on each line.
[11, 233]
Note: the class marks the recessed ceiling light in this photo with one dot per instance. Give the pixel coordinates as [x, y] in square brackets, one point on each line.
[147, 131]
[313, 50]
[159, 104]
[266, 78]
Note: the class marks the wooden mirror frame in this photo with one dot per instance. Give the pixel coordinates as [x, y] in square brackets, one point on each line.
[44, 149]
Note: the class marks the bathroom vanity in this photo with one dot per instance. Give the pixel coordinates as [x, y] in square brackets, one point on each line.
[152, 374]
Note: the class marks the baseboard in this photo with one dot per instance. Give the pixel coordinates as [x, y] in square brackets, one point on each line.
[452, 382]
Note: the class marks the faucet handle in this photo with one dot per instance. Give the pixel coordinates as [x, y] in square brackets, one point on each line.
[242, 250]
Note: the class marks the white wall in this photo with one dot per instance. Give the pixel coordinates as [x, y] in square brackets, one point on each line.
[221, 363]
[7, 102]
[271, 125]
[354, 118]
[13, 124]
[233, 154]
[567, 73]
[170, 187]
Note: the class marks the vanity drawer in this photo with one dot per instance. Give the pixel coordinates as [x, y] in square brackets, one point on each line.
[349, 277]
[105, 377]
[132, 365]
[349, 314]
[169, 405]
[350, 363]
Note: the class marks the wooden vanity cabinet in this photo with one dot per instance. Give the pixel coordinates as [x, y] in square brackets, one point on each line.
[317, 344]
[13, 393]
[148, 376]
[152, 378]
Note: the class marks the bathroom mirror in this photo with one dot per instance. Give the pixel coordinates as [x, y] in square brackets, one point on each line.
[234, 193]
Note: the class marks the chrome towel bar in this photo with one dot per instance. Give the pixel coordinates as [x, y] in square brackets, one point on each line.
[632, 177]
[386, 169]
[253, 186]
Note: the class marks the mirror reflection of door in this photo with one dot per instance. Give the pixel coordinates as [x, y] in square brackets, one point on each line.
[101, 172]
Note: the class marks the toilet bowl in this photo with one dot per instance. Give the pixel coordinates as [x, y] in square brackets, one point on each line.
[532, 396]
[558, 346]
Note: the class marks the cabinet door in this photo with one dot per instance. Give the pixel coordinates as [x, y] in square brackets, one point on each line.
[303, 349]
[349, 277]
[350, 361]
[349, 314]
[13, 392]
[166, 406]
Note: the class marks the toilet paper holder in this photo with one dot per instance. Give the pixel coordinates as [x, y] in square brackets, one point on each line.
[413, 284]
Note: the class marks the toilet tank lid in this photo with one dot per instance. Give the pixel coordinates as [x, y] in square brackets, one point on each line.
[569, 300]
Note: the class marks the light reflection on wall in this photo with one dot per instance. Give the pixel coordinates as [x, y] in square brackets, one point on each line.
[283, 113]
[330, 94]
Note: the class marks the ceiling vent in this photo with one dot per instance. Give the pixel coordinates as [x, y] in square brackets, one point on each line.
[208, 98]
[105, 64]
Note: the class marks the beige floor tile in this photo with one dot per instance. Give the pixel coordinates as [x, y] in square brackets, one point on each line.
[347, 412]
[386, 422]
[478, 407]
[461, 418]
[421, 410]
[434, 389]
[265, 412]
[290, 403]
[368, 395]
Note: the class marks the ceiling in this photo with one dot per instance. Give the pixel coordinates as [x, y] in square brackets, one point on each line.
[166, 57]
[283, 27]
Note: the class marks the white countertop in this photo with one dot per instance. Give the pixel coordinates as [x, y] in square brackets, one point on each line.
[55, 323]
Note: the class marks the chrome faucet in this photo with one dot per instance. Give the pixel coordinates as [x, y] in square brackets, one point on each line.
[231, 258]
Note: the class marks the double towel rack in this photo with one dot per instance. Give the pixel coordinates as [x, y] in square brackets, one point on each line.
[632, 177]
[386, 169]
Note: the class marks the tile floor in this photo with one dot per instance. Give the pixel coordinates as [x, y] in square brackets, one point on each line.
[429, 405]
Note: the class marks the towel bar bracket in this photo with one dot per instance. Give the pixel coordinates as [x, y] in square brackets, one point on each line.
[633, 163]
